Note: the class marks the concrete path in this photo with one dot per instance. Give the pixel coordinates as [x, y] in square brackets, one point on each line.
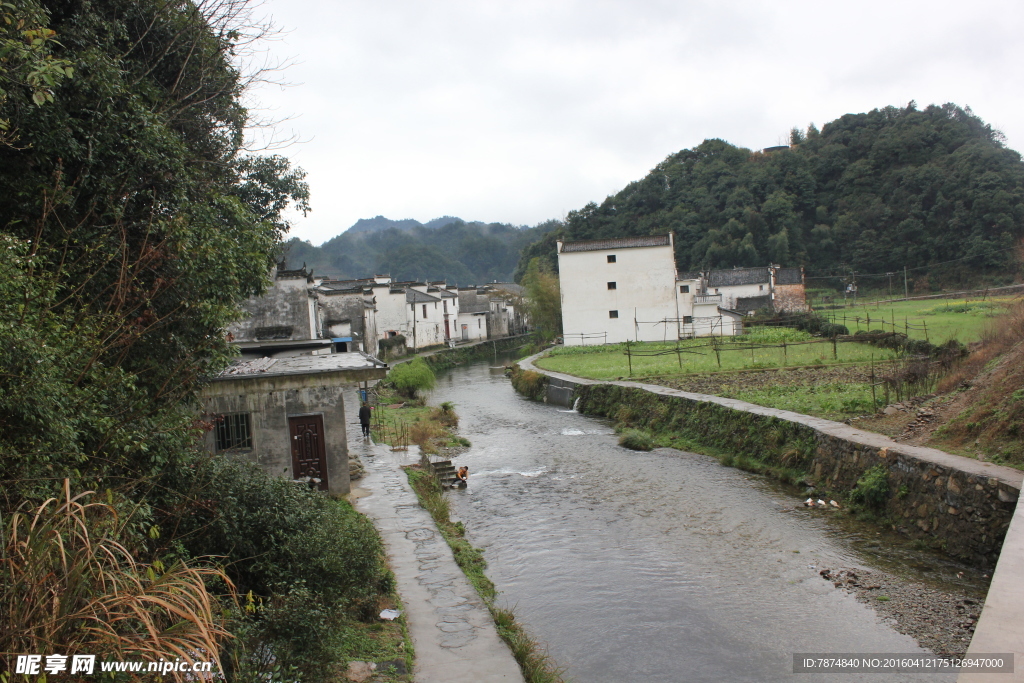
[452, 631]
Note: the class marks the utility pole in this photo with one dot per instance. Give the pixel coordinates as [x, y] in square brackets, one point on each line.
[906, 293]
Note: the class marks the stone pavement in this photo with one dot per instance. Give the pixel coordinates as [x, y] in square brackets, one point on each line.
[452, 632]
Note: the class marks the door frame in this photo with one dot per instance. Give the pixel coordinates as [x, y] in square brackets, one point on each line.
[294, 425]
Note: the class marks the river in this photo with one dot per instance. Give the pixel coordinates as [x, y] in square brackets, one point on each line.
[660, 566]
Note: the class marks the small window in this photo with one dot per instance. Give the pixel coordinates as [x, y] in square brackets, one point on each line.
[611, 258]
[684, 289]
[232, 431]
[424, 310]
[613, 314]
[760, 288]
[716, 291]
[611, 285]
[687, 319]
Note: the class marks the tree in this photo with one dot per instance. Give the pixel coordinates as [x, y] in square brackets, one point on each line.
[544, 300]
[135, 221]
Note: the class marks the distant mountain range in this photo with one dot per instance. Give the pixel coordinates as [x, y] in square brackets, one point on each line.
[445, 248]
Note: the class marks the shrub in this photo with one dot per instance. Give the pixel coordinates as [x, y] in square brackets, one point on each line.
[872, 489]
[446, 415]
[636, 440]
[530, 384]
[414, 376]
[300, 553]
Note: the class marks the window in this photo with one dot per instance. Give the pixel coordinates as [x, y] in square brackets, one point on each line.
[424, 310]
[716, 291]
[478, 323]
[232, 431]
[684, 289]
[611, 285]
[611, 258]
[613, 314]
[445, 306]
[687, 319]
[760, 288]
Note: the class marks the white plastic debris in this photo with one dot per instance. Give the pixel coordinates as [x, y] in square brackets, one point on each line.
[390, 614]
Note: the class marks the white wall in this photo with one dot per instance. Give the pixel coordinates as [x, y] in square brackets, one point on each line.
[645, 287]
[732, 292]
[476, 326]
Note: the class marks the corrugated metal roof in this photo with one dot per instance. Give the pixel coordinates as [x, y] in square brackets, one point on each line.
[738, 276]
[620, 243]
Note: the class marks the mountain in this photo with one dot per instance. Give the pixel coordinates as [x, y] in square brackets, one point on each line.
[934, 190]
[445, 248]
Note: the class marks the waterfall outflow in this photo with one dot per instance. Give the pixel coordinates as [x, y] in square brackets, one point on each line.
[573, 409]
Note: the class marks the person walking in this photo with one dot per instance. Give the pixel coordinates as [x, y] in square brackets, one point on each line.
[364, 419]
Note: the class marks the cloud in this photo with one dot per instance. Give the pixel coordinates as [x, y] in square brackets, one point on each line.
[520, 112]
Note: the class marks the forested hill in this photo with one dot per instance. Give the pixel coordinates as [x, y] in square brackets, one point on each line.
[445, 248]
[871, 192]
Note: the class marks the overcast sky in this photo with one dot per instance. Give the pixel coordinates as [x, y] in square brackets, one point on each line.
[518, 112]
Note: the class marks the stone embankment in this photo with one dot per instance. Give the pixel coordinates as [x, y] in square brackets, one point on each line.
[963, 505]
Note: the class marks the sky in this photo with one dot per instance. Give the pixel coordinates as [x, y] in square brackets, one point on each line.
[519, 112]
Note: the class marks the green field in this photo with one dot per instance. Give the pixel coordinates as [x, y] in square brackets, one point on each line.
[760, 348]
[938, 319]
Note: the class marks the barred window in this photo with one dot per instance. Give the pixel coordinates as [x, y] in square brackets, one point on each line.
[612, 285]
[233, 431]
[613, 314]
[687, 319]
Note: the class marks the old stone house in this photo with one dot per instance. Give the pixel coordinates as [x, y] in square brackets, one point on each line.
[287, 415]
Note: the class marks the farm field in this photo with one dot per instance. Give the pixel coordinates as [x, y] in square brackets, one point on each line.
[761, 348]
[938, 320]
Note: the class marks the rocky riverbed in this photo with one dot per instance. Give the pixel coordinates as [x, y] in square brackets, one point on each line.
[940, 620]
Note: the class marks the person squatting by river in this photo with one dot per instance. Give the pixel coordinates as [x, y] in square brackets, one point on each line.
[364, 419]
[461, 477]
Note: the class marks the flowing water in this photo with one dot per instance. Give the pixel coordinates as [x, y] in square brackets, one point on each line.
[660, 566]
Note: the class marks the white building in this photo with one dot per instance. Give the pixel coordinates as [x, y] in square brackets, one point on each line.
[627, 289]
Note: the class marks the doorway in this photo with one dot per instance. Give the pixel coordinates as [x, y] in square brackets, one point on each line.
[309, 456]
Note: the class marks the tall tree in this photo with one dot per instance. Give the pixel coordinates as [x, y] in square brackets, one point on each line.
[135, 221]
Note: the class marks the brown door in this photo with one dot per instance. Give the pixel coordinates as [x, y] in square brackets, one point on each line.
[309, 458]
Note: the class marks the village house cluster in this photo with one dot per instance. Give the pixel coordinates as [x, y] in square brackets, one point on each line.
[306, 314]
[628, 289]
[309, 340]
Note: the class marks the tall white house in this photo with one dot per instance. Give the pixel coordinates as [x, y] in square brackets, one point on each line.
[617, 290]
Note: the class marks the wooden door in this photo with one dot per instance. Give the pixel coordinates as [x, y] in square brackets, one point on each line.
[309, 457]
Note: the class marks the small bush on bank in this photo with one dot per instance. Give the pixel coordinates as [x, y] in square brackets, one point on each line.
[636, 440]
[529, 383]
[309, 563]
[412, 377]
[872, 489]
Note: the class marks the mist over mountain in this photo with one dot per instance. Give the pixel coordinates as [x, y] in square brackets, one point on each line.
[445, 248]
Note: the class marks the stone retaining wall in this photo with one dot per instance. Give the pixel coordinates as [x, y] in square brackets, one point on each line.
[963, 505]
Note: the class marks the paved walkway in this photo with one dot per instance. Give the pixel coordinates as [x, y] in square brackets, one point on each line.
[452, 631]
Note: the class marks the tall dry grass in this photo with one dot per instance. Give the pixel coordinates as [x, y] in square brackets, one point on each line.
[1004, 332]
[68, 585]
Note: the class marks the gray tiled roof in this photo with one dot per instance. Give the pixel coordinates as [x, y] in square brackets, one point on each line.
[788, 276]
[299, 365]
[738, 276]
[620, 243]
[414, 296]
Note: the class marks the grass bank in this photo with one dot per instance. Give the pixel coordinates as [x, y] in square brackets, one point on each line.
[536, 665]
